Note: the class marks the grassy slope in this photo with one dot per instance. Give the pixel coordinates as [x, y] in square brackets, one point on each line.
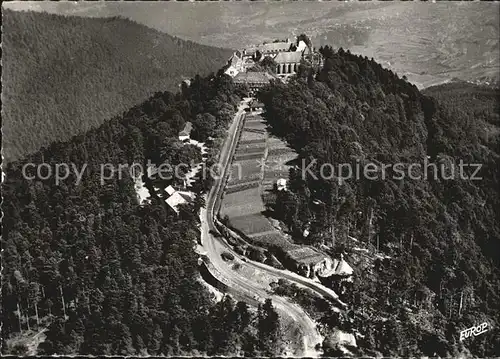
[64, 75]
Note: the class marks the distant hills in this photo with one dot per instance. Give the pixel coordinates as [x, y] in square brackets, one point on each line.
[63, 75]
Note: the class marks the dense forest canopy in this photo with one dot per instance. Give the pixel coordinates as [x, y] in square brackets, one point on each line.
[63, 75]
[107, 276]
[442, 235]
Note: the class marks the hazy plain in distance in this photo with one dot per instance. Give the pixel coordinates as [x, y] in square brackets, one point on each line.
[429, 43]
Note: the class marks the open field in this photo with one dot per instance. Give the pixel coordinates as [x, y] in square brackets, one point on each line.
[252, 142]
[249, 179]
[274, 238]
[270, 178]
[258, 131]
[276, 165]
[242, 203]
[251, 223]
[242, 186]
[248, 156]
[244, 171]
[244, 199]
[269, 195]
[282, 152]
[251, 148]
[275, 146]
[255, 125]
[253, 116]
[252, 136]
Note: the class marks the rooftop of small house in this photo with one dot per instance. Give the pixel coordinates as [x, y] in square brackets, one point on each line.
[340, 268]
[177, 198]
[170, 190]
[174, 200]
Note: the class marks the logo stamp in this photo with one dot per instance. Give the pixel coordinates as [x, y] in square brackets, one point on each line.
[475, 330]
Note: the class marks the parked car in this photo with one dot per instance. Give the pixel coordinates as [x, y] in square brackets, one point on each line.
[227, 256]
[214, 233]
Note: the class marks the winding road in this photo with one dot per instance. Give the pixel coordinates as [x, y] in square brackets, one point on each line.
[244, 288]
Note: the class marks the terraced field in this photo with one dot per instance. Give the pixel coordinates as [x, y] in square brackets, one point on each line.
[244, 171]
[277, 162]
[252, 137]
[260, 159]
[234, 206]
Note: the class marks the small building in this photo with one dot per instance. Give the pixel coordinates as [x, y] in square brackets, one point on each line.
[170, 190]
[256, 106]
[175, 200]
[307, 230]
[185, 134]
[231, 71]
[343, 269]
[307, 261]
[340, 270]
[235, 64]
[287, 63]
[281, 184]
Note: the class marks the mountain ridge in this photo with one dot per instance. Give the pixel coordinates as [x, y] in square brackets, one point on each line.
[64, 75]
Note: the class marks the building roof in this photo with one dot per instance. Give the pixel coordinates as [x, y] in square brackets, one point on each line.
[186, 131]
[235, 60]
[301, 46]
[188, 196]
[231, 71]
[306, 255]
[249, 52]
[174, 200]
[269, 47]
[288, 57]
[343, 267]
[252, 77]
[170, 190]
[235, 57]
[275, 46]
[256, 103]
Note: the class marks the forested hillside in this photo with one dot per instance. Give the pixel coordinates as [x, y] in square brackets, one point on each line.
[62, 75]
[439, 236]
[110, 277]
